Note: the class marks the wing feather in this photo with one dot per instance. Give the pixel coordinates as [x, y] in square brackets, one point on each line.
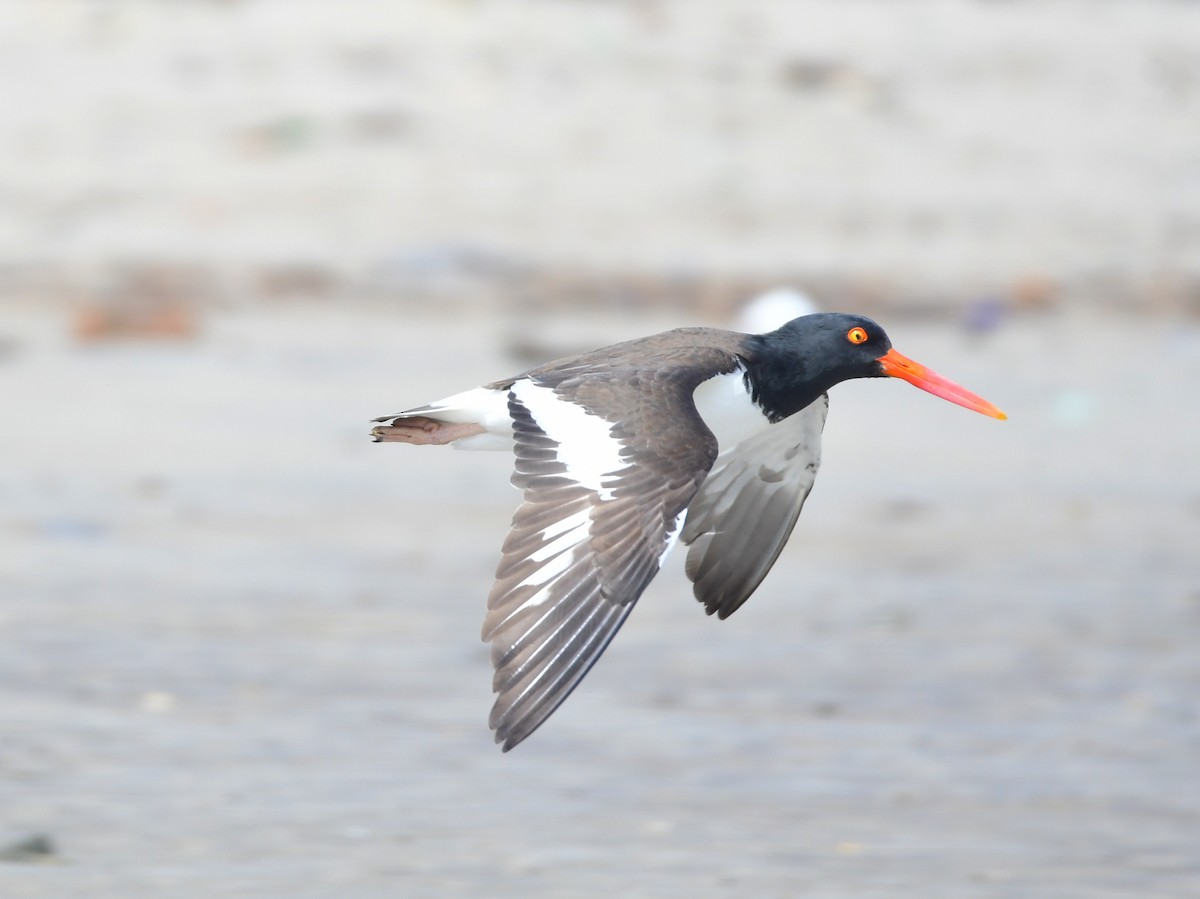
[576, 560]
[745, 510]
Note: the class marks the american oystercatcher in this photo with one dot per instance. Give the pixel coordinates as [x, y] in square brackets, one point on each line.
[707, 436]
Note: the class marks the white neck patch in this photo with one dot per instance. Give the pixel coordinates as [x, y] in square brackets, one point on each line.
[726, 407]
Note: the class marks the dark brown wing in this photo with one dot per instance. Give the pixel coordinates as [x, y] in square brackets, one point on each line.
[601, 509]
[745, 510]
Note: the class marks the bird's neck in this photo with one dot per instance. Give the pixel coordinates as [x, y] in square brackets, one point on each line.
[782, 387]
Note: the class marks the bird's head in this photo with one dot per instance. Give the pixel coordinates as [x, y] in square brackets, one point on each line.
[810, 354]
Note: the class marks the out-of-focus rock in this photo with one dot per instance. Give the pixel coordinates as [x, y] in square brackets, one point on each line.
[153, 302]
[36, 848]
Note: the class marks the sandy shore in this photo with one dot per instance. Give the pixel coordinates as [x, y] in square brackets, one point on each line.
[242, 659]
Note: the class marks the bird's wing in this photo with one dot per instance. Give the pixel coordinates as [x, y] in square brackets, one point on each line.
[602, 506]
[745, 510]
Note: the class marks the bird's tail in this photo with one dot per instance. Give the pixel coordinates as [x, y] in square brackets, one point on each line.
[421, 430]
[475, 419]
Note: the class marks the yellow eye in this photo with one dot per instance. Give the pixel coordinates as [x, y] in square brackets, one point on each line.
[856, 335]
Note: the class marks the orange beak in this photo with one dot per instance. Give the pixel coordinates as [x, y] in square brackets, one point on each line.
[897, 366]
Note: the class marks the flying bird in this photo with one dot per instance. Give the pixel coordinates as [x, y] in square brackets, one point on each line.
[707, 436]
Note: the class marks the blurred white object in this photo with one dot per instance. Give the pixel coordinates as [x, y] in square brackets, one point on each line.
[769, 310]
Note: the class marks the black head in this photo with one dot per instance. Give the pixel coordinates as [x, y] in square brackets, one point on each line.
[794, 365]
[791, 367]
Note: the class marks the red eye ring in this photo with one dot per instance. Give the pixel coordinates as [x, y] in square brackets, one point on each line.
[856, 335]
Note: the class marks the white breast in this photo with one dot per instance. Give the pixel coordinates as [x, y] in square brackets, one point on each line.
[725, 405]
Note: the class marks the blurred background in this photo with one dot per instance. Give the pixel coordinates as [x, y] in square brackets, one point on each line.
[240, 641]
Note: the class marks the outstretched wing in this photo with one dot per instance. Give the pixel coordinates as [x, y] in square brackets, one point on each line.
[745, 510]
[602, 506]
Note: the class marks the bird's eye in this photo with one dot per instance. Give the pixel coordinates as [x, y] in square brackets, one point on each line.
[856, 335]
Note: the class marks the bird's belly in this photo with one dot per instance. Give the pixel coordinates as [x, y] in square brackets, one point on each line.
[726, 407]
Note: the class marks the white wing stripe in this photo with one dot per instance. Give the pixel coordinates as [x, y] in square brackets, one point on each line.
[585, 442]
[562, 535]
